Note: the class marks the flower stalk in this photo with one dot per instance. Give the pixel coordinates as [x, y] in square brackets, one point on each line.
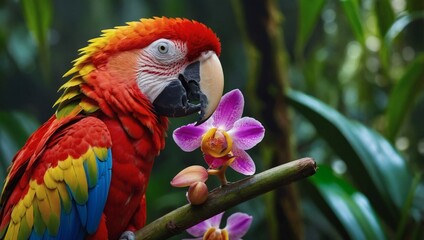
[222, 199]
[220, 172]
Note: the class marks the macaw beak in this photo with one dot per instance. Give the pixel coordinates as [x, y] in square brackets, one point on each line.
[198, 89]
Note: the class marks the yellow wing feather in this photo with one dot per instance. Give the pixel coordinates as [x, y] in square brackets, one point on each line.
[43, 201]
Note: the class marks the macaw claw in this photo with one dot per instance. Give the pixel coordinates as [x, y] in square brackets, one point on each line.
[127, 235]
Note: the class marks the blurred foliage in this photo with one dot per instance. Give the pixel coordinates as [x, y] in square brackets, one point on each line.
[377, 169]
[15, 127]
[38, 16]
[347, 208]
[363, 60]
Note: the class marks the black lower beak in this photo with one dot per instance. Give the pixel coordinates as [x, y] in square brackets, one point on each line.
[198, 89]
[182, 96]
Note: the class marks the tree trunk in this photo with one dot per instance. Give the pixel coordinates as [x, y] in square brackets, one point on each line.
[262, 26]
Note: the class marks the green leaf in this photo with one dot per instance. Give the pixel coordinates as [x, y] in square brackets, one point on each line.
[309, 11]
[385, 15]
[374, 165]
[413, 195]
[352, 11]
[403, 95]
[15, 128]
[38, 16]
[340, 201]
[399, 25]
[395, 29]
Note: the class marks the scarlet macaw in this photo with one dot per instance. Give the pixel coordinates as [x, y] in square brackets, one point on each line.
[84, 173]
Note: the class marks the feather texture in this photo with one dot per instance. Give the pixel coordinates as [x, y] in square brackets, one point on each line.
[61, 184]
[133, 36]
[69, 188]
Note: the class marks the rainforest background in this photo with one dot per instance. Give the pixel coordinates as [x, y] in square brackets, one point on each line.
[338, 80]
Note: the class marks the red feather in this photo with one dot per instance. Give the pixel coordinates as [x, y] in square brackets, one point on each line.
[103, 88]
[51, 143]
[138, 35]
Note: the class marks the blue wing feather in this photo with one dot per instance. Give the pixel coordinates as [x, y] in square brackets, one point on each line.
[84, 219]
[82, 212]
[98, 194]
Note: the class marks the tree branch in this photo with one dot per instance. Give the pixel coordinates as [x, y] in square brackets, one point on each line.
[223, 198]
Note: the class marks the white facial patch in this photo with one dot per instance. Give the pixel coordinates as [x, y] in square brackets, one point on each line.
[158, 64]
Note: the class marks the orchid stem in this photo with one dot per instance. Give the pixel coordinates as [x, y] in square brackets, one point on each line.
[222, 199]
[220, 173]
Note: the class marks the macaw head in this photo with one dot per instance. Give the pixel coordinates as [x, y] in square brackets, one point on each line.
[173, 62]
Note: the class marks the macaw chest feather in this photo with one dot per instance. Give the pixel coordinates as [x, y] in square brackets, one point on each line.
[134, 147]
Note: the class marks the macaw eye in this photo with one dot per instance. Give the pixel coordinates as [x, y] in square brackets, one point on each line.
[163, 47]
[165, 51]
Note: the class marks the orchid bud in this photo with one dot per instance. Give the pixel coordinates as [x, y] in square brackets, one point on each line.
[216, 142]
[190, 175]
[197, 193]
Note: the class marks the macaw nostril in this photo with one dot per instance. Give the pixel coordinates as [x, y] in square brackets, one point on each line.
[194, 90]
[183, 82]
[184, 100]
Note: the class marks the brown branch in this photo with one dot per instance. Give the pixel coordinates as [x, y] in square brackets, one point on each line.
[226, 197]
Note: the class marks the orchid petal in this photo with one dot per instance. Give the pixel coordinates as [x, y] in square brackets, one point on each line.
[188, 137]
[243, 163]
[237, 225]
[200, 229]
[247, 132]
[215, 220]
[229, 110]
[214, 162]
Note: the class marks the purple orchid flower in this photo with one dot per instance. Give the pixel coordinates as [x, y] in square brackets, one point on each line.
[237, 226]
[224, 133]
